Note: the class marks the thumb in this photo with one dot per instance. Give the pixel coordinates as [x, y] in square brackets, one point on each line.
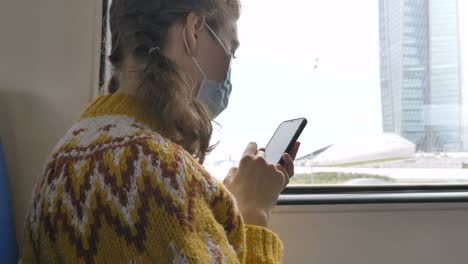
[230, 176]
[251, 149]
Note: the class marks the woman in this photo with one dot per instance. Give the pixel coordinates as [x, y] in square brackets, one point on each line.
[125, 184]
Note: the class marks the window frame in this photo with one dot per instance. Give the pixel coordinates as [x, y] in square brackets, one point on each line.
[378, 194]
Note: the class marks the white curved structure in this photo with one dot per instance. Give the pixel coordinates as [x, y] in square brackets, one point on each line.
[385, 146]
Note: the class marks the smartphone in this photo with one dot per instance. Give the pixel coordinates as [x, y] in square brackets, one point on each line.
[283, 139]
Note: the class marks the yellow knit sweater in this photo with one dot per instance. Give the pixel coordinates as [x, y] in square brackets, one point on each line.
[116, 191]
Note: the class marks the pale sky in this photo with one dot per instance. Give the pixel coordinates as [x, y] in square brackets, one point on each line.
[274, 77]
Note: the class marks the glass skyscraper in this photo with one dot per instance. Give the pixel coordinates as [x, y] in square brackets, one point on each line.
[421, 73]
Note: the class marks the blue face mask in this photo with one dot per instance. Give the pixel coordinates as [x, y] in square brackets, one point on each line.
[214, 95]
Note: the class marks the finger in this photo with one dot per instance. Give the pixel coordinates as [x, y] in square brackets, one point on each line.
[251, 149]
[294, 150]
[284, 173]
[288, 164]
[261, 153]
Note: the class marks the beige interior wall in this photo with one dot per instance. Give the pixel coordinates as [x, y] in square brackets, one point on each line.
[373, 234]
[49, 64]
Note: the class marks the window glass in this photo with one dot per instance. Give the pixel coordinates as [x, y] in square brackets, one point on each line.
[382, 84]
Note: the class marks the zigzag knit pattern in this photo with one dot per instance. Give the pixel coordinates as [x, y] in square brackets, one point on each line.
[116, 191]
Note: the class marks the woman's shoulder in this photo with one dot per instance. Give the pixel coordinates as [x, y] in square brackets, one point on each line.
[128, 148]
[125, 156]
[103, 132]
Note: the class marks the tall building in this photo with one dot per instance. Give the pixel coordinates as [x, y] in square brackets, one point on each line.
[421, 73]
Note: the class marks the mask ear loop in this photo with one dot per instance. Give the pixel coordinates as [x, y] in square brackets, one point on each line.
[190, 53]
[219, 40]
[154, 49]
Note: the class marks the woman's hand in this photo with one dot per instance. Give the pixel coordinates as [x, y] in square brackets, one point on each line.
[256, 185]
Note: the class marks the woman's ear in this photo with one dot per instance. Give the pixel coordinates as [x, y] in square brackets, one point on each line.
[193, 29]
